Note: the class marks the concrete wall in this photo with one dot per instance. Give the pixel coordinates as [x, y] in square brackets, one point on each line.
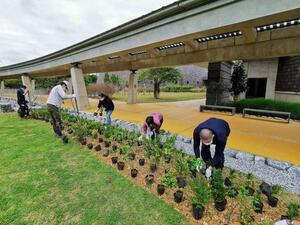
[288, 78]
[220, 73]
[264, 69]
[288, 96]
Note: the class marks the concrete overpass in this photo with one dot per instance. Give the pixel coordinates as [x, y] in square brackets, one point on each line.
[185, 32]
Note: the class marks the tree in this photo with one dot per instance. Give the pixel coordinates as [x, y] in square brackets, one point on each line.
[90, 79]
[106, 78]
[13, 83]
[115, 80]
[238, 80]
[160, 76]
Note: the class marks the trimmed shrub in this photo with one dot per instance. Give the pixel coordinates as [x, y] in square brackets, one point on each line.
[267, 104]
[177, 88]
[107, 89]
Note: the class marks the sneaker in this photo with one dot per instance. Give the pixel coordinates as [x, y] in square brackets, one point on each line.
[65, 139]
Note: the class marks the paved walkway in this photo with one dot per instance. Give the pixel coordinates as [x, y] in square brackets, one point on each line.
[276, 140]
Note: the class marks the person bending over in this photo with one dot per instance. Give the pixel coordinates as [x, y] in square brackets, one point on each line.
[106, 103]
[57, 94]
[212, 131]
[152, 125]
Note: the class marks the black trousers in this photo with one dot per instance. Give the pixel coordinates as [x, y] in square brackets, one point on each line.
[56, 120]
[206, 156]
[23, 110]
[156, 131]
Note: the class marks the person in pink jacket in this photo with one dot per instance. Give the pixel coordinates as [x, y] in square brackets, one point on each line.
[152, 125]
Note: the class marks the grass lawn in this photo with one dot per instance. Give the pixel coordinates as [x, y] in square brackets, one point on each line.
[43, 181]
[164, 96]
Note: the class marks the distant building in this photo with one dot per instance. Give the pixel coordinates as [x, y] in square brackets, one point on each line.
[191, 75]
[277, 78]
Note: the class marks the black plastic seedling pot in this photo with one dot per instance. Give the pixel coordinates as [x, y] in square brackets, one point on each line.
[120, 165]
[133, 173]
[149, 179]
[197, 212]
[114, 159]
[160, 189]
[142, 162]
[178, 196]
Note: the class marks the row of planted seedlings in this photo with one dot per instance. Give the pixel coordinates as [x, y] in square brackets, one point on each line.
[160, 166]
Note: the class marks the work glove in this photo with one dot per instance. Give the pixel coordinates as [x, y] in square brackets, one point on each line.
[282, 222]
[140, 138]
[208, 172]
[73, 95]
[149, 135]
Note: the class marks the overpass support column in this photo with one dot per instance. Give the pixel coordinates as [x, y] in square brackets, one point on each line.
[79, 87]
[2, 87]
[218, 82]
[132, 89]
[26, 81]
[33, 88]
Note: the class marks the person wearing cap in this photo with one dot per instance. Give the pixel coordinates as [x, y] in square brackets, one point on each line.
[152, 125]
[212, 131]
[23, 110]
[106, 103]
[57, 94]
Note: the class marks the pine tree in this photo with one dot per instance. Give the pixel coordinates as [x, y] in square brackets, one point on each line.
[238, 80]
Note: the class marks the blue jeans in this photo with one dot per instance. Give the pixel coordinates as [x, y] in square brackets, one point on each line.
[108, 119]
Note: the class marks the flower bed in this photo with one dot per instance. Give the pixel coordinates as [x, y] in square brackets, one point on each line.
[228, 198]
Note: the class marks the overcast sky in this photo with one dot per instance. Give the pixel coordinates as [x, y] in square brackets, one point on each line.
[32, 28]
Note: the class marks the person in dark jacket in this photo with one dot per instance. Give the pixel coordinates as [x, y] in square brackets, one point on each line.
[106, 103]
[23, 110]
[212, 131]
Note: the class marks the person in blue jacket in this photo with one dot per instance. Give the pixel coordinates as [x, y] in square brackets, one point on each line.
[212, 131]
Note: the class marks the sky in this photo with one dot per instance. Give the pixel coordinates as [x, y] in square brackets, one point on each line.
[33, 28]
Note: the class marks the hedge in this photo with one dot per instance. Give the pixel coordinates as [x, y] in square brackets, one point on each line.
[267, 104]
[177, 88]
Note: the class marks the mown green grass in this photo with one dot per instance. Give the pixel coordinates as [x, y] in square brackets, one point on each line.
[43, 181]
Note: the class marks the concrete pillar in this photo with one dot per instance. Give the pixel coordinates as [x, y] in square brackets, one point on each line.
[132, 87]
[2, 87]
[71, 85]
[26, 81]
[33, 89]
[79, 88]
[218, 83]
[100, 78]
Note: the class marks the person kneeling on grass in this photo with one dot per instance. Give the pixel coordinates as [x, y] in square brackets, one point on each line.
[152, 125]
[212, 131]
[106, 103]
[57, 94]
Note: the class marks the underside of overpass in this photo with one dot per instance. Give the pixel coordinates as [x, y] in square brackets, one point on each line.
[185, 32]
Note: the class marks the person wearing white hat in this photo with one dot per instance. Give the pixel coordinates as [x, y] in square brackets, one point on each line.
[57, 94]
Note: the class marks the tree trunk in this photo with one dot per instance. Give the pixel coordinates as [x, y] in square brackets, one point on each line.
[235, 98]
[156, 89]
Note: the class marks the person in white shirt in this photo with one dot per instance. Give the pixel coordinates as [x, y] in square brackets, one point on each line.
[57, 94]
